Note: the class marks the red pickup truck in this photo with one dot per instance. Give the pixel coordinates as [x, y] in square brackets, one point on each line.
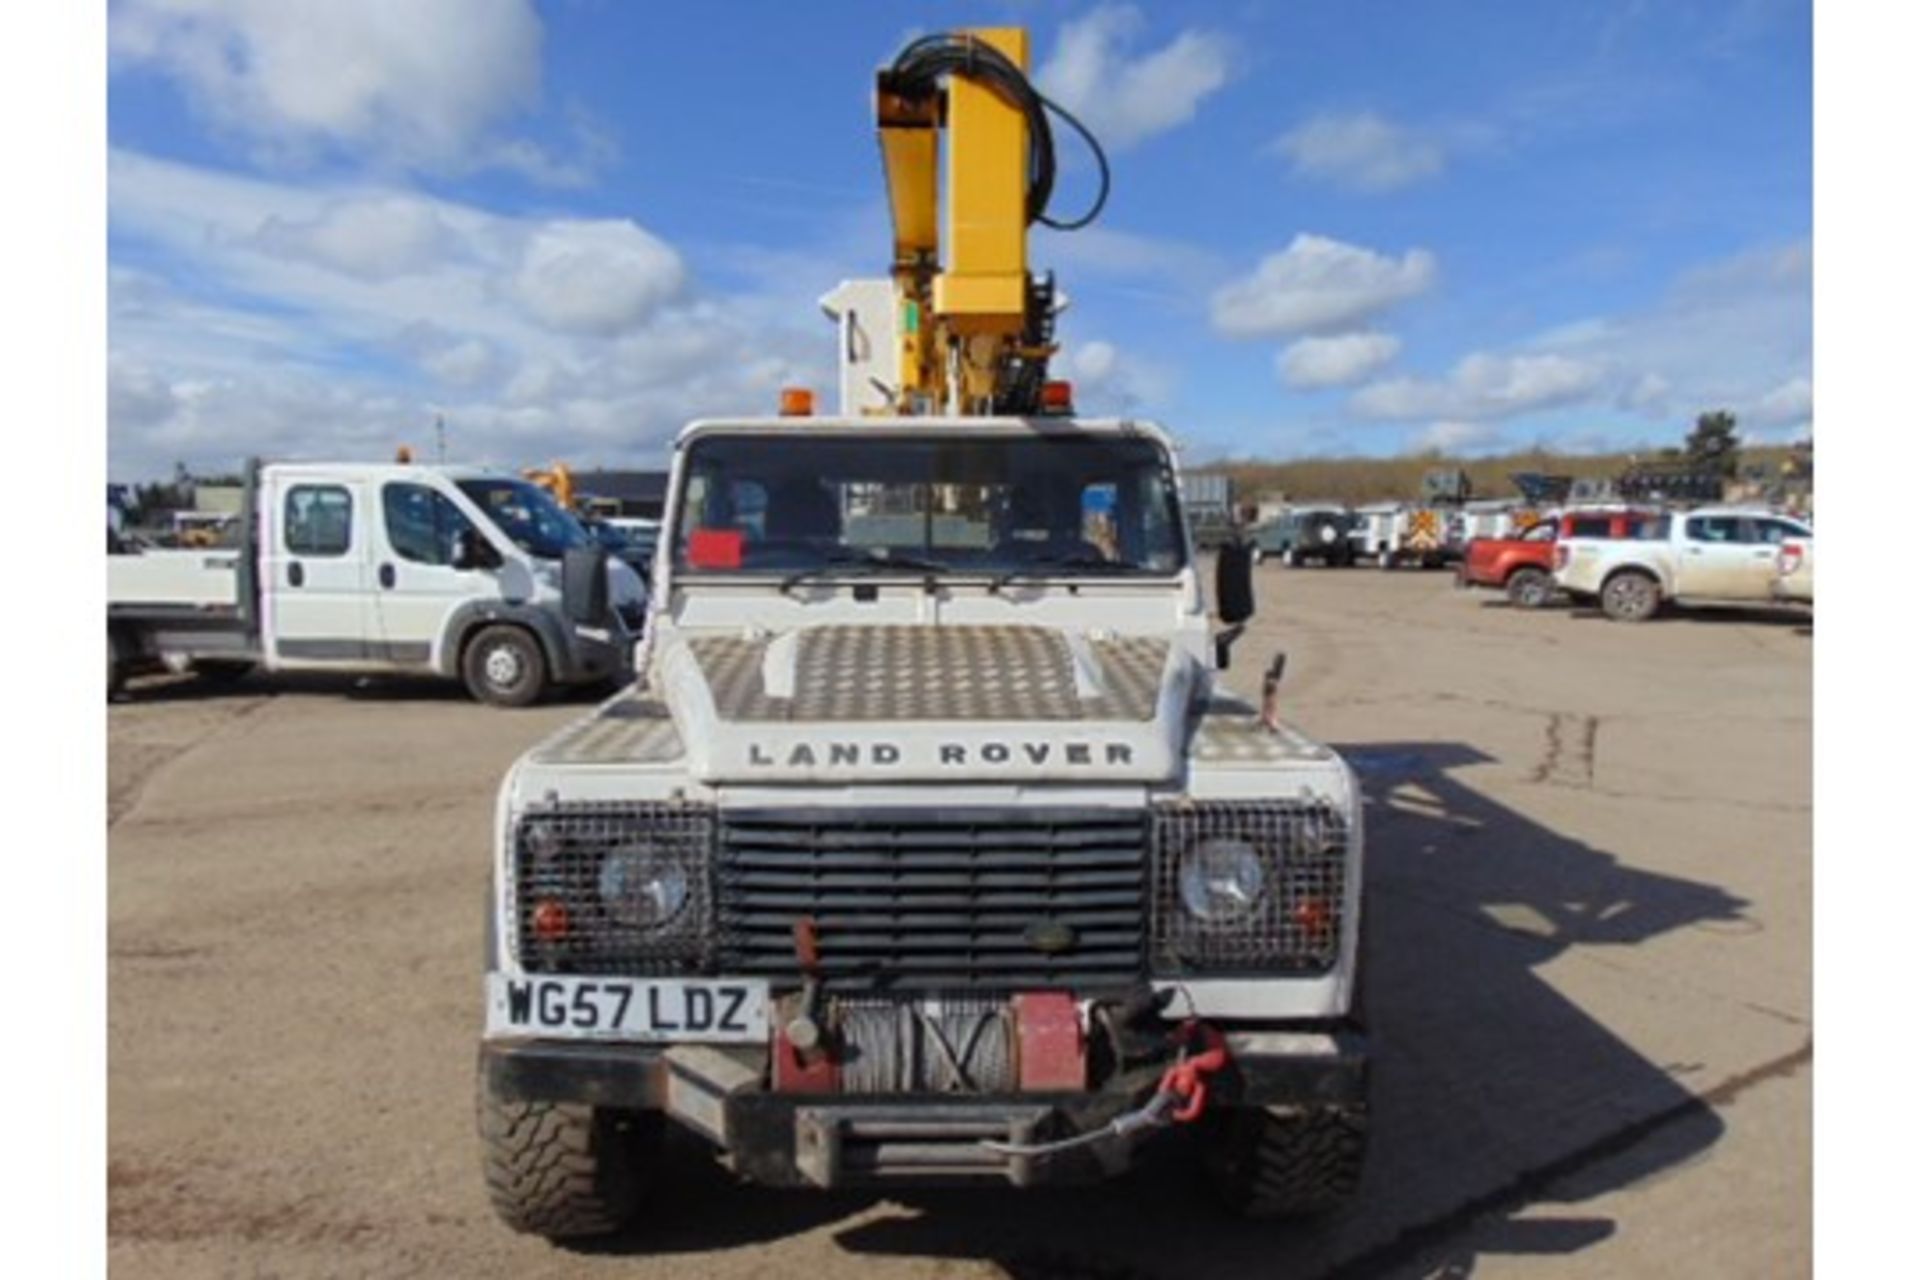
[1522, 565]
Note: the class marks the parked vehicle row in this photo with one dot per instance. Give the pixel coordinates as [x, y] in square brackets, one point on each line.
[1522, 565]
[1629, 560]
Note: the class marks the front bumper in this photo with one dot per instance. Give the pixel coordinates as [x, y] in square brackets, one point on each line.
[839, 1139]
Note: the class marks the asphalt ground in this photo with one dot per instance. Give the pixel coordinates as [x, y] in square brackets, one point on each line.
[1589, 875]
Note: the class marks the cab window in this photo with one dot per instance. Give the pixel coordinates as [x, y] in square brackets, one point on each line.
[318, 520]
[422, 522]
[1775, 532]
[1714, 529]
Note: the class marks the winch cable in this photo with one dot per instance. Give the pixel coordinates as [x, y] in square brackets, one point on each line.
[1180, 1098]
[917, 70]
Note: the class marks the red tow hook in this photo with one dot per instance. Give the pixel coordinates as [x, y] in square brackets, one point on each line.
[1186, 1080]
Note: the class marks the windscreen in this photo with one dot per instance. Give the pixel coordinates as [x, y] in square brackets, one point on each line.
[1078, 504]
[528, 515]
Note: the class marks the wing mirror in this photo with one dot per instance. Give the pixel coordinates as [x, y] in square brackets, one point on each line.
[1233, 582]
[1233, 596]
[583, 584]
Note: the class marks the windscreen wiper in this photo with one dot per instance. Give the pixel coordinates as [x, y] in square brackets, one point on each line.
[1061, 564]
[865, 562]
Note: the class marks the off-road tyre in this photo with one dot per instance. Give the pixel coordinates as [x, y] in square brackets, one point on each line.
[222, 671]
[1285, 1162]
[565, 1170]
[1630, 596]
[503, 666]
[1529, 588]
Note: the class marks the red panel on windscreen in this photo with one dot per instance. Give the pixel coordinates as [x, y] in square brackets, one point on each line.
[715, 548]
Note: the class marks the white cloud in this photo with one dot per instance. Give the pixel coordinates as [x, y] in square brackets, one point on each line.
[596, 277]
[1125, 98]
[1456, 438]
[1788, 405]
[1362, 151]
[468, 362]
[1650, 394]
[371, 239]
[1483, 385]
[260, 325]
[1318, 284]
[1734, 332]
[1107, 380]
[1338, 361]
[1094, 362]
[421, 83]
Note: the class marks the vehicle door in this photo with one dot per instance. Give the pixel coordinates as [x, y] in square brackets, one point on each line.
[1715, 558]
[417, 585]
[317, 612]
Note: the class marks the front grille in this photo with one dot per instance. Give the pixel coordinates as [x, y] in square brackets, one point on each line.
[558, 854]
[937, 899]
[1295, 923]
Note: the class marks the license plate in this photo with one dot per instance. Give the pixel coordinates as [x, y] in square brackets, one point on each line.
[627, 1008]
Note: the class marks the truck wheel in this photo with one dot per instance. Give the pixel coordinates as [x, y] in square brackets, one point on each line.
[1630, 596]
[1529, 588]
[503, 666]
[1286, 1161]
[565, 1170]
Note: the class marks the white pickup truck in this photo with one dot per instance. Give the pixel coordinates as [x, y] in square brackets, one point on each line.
[401, 568]
[1712, 556]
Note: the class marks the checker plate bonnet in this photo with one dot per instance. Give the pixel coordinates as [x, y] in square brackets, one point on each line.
[924, 703]
[902, 673]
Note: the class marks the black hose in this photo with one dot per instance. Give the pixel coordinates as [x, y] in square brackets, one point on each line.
[916, 74]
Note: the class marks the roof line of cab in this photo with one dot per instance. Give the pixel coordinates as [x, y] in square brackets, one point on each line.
[800, 426]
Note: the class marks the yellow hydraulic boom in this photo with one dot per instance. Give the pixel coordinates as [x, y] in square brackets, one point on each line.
[975, 331]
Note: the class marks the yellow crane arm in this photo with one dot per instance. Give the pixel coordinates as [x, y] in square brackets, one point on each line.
[975, 331]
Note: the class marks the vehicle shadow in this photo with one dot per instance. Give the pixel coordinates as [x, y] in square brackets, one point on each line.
[188, 687]
[1488, 1084]
[1712, 616]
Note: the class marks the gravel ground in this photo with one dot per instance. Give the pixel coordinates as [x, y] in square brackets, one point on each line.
[1590, 874]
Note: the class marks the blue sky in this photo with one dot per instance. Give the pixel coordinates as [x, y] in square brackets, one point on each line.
[1346, 226]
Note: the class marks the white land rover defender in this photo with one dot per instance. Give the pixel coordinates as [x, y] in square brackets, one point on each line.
[926, 847]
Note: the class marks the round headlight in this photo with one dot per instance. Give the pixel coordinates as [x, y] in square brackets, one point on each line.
[542, 840]
[1221, 879]
[643, 886]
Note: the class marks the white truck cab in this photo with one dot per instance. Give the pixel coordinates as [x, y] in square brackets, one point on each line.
[927, 845]
[454, 571]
